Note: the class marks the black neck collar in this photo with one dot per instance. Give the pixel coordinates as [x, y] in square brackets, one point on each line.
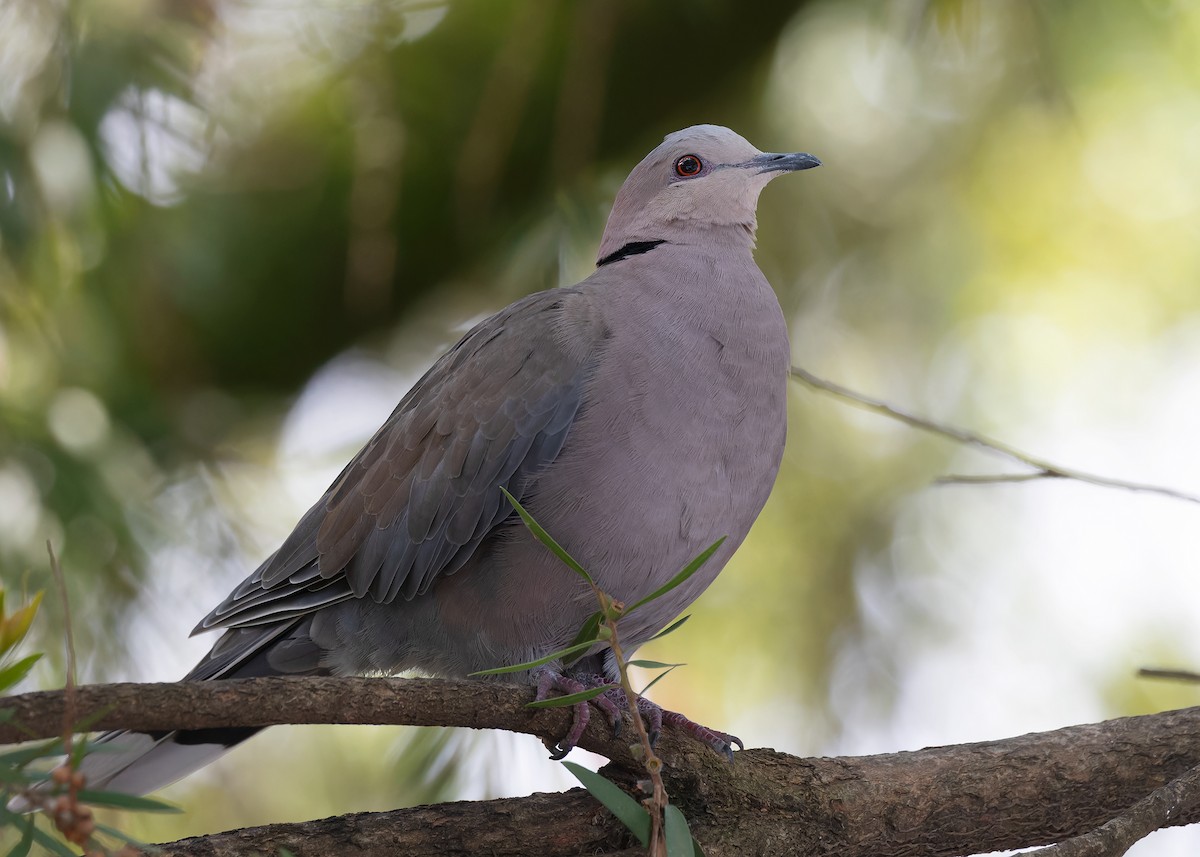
[633, 248]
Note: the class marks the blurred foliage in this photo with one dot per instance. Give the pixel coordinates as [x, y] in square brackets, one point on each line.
[225, 222]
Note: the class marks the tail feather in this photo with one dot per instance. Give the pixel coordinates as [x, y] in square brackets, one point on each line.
[136, 763]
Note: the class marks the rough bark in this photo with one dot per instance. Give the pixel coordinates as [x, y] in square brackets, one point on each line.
[1023, 791]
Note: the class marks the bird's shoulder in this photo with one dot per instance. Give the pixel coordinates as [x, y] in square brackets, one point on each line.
[424, 491]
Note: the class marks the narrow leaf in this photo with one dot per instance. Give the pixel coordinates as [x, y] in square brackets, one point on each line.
[21, 849]
[528, 665]
[84, 724]
[51, 844]
[589, 633]
[18, 777]
[125, 837]
[13, 628]
[652, 665]
[570, 698]
[13, 673]
[42, 838]
[674, 626]
[119, 800]
[545, 538]
[688, 570]
[630, 813]
[657, 679]
[27, 754]
[675, 829]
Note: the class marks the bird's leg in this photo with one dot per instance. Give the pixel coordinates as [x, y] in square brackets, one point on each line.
[612, 703]
[551, 681]
[722, 742]
[654, 716]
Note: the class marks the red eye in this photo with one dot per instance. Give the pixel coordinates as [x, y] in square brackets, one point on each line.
[688, 166]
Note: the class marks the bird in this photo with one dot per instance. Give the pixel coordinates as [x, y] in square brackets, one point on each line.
[639, 416]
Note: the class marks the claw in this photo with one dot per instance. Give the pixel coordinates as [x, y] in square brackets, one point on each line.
[611, 703]
[721, 742]
[550, 681]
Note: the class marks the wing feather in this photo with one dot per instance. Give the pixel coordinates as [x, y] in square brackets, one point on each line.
[424, 492]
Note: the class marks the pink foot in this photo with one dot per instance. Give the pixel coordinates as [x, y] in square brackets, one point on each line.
[550, 681]
[612, 702]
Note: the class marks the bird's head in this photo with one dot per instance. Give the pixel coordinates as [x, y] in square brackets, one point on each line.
[697, 183]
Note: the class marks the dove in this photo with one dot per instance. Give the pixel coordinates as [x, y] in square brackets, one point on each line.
[639, 416]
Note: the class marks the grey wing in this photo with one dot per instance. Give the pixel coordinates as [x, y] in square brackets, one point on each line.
[424, 492]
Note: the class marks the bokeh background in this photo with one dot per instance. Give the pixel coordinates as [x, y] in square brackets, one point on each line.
[233, 232]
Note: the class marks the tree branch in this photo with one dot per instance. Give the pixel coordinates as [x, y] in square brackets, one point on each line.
[1031, 790]
[1151, 813]
[1043, 469]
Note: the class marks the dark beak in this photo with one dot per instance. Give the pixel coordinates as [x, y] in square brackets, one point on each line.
[790, 162]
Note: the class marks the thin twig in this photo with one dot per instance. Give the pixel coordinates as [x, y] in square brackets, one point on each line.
[657, 803]
[993, 478]
[1116, 836]
[1045, 469]
[1175, 675]
[68, 726]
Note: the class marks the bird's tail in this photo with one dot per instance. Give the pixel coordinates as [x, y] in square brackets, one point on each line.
[136, 763]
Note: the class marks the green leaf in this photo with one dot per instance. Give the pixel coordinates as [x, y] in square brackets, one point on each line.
[652, 665]
[589, 633]
[528, 665]
[118, 800]
[12, 819]
[545, 538]
[630, 813]
[674, 626]
[21, 849]
[25, 755]
[13, 628]
[688, 570]
[84, 724]
[13, 673]
[696, 849]
[657, 679]
[10, 774]
[125, 837]
[675, 830]
[51, 844]
[570, 698]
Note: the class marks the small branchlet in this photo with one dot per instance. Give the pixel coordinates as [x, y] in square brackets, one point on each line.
[655, 822]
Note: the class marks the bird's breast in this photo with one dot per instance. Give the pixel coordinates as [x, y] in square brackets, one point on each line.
[678, 442]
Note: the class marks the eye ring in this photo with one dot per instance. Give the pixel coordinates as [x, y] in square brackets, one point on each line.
[688, 166]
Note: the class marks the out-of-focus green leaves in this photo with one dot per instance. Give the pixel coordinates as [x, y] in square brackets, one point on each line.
[118, 800]
[14, 626]
[13, 673]
[13, 629]
[26, 842]
[121, 836]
